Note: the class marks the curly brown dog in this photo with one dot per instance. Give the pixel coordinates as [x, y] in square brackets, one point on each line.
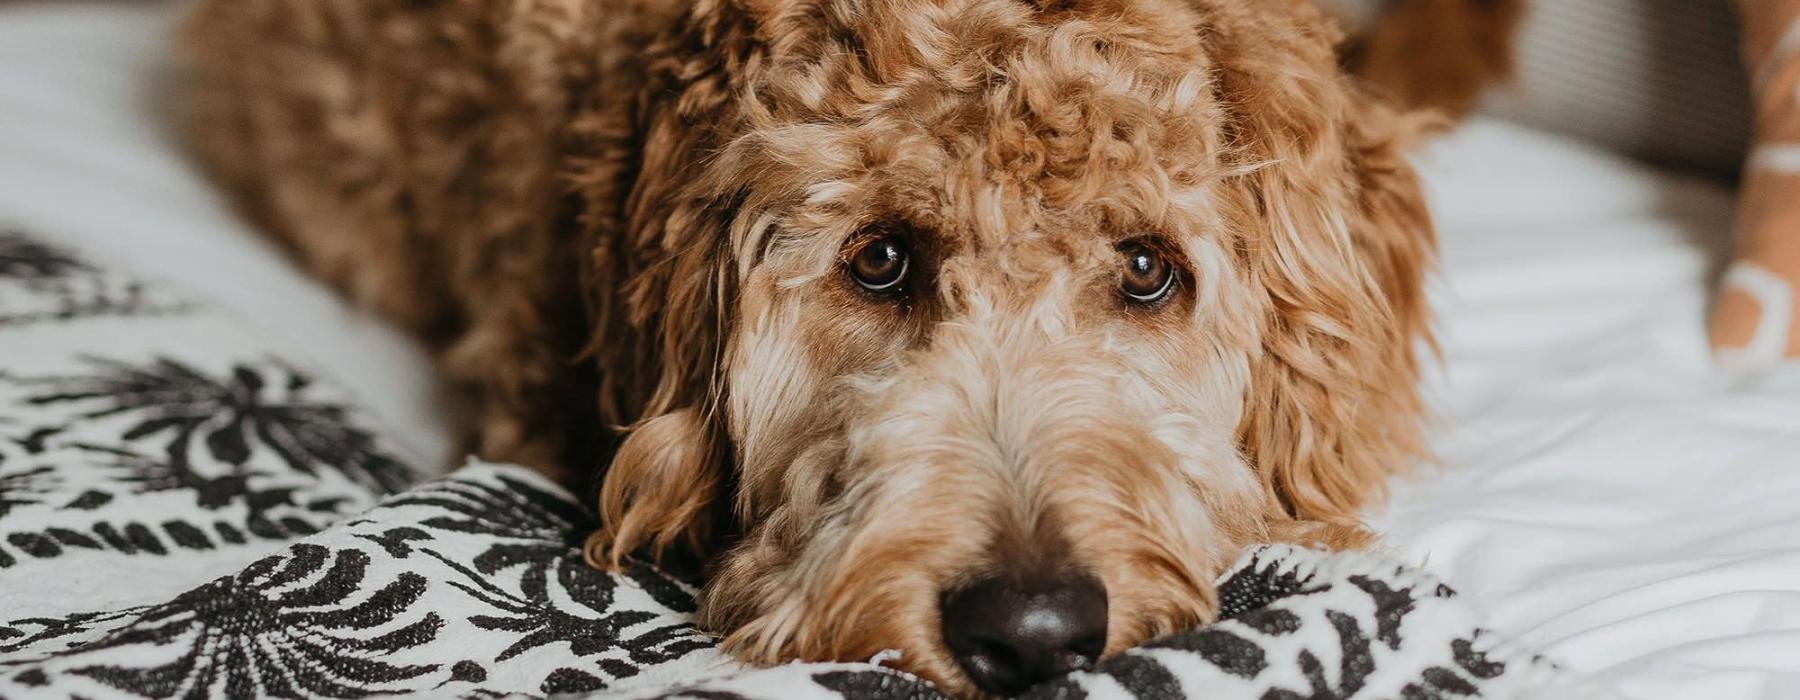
[984, 330]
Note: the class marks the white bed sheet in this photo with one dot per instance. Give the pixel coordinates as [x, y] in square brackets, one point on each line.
[84, 158]
[1603, 491]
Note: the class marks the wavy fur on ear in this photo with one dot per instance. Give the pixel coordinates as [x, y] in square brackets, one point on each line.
[659, 275]
[1332, 408]
[660, 492]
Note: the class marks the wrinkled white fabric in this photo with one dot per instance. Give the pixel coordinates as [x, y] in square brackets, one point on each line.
[1604, 489]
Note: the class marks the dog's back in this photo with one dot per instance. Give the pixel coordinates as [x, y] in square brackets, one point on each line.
[412, 155]
[418, 156]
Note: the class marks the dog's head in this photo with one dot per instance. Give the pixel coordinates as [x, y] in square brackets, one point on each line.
[991, 331]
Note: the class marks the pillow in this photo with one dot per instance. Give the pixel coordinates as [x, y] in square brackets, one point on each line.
[184, 512]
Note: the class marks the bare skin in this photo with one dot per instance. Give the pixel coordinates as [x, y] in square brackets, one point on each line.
[1769, 206]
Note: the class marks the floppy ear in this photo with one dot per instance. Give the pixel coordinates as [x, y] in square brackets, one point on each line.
[1340, 238]
[661, 491]
[658, 276]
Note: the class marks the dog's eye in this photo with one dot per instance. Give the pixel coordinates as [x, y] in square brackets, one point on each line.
[1148, 275]
[881, 265]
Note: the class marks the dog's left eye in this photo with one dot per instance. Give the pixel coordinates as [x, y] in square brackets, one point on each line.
[881, 265]
[1148, 278]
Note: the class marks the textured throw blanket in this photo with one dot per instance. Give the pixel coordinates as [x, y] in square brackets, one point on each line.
[184, 514]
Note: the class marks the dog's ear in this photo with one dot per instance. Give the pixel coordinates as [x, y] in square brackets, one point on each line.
[1339, 237]
[660, 275]
[661, 491]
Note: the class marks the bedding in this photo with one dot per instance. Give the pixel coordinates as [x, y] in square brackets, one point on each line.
[85, 151]
[1602, 488]
[182, 513]
[1602, 493]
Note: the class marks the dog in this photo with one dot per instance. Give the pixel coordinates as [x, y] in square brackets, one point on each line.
[1434, 55]
[985, 330]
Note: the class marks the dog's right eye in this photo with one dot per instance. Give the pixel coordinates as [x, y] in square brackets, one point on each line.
[881, 265]
[1148, 278]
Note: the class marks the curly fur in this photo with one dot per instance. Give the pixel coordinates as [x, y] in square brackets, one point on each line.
[623, 222]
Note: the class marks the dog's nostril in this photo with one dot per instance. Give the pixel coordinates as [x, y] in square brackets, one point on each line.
[1011, 635]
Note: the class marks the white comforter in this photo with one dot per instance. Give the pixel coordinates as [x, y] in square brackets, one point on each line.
[1601, 489]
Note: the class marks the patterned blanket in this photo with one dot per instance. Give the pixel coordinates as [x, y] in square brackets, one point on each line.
[184, 514]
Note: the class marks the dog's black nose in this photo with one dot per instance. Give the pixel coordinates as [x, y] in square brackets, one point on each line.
[1010, 636]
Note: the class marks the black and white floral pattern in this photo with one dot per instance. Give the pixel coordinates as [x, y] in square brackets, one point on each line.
[43, 282]
[184, 515]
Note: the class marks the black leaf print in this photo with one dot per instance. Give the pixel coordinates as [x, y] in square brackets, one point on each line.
[1274, 622]
[1147, 678]
[1447, 681]
[26, 487]
[34, 544]
[1476, 663]
[1064, 688]
[25, 259]
[150, 474]
[665, 643]
[67, 287]
[703, 694]
[89, 500]
[1357, 661]
[539, 533]
[174, 402]
[1391, 606]
[34, 678]
[535, 529]
[50, 629]
[1231, 653]
[397, 542]
[467, 672]
[876, 685]
[663, 588]
[267, 631]
[514, 509]
[1315, 677]
[1355, 664]
[33, 443]
[142, 538]
[564, 681]
[539, 621]
[1260, 584]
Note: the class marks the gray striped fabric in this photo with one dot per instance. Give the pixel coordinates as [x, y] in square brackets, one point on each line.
[1656, 79]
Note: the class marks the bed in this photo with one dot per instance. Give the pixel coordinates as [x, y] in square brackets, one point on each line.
[1602, 493]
